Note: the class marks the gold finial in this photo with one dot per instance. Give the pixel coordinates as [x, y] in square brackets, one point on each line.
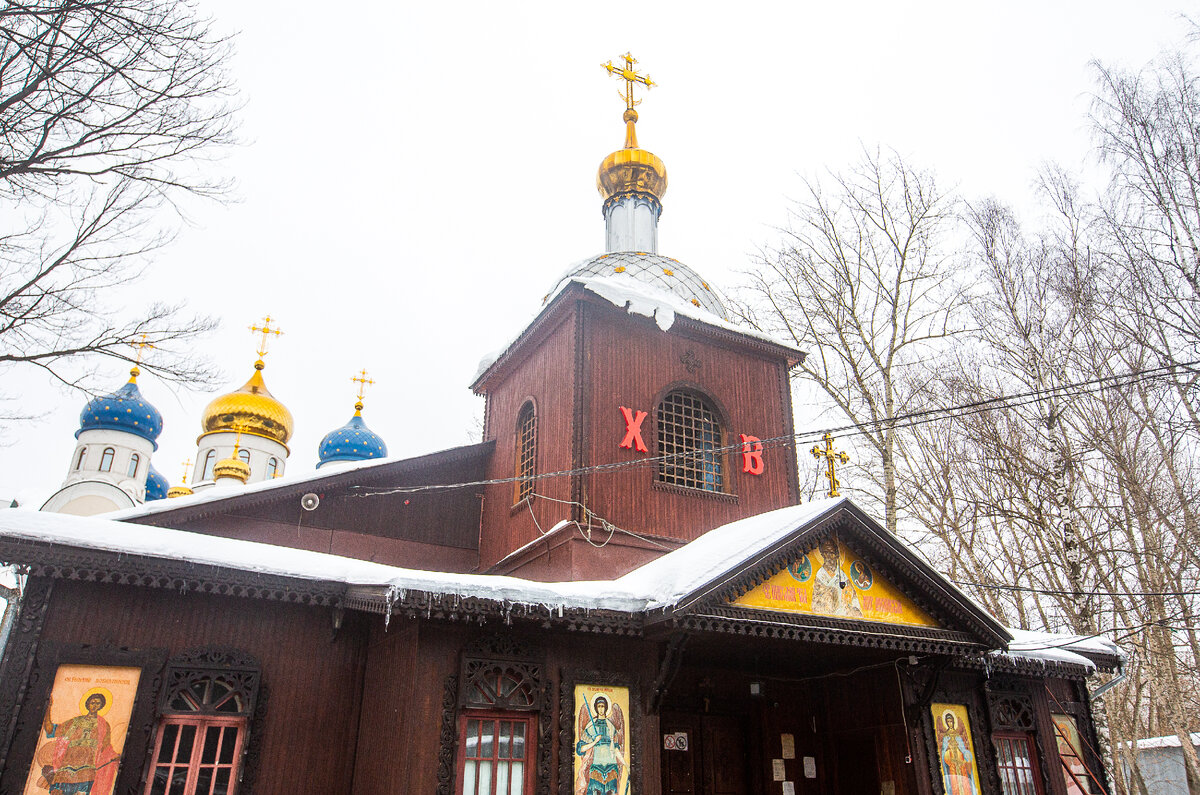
[830, 457]
[630, 76]
[186, 466]
[266, 330]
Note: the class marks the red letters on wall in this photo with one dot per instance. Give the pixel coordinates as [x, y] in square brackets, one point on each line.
[633, 430]
[752, 452]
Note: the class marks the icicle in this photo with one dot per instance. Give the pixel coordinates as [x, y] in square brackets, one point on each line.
[389, 599]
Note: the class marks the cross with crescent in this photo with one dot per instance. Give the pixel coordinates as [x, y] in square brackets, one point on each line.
[362, 381]
[630, 76]
[830, 457]
[265, 329]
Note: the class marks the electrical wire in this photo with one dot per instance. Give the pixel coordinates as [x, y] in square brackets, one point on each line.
[908, 420]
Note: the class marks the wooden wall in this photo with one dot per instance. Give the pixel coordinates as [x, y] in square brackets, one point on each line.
[313, 684]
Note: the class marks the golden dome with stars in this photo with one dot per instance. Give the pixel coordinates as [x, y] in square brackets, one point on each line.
[252, 409]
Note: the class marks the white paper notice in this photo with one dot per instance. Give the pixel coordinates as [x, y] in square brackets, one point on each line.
[789, 788]
[777, 771]
[789, 745]
[810, 767]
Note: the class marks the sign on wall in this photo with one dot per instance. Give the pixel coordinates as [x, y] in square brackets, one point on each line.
[601, 739]
[956, 752]
[82, 736]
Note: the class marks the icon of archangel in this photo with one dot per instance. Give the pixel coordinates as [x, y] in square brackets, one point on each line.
[600, 751]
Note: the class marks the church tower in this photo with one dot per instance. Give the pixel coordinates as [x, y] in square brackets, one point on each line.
[248, 424]
[631, 416]
[110, 466]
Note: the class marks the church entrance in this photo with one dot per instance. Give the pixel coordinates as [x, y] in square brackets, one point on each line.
[704, 754]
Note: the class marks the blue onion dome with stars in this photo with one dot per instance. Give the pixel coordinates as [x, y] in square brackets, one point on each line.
[156, 485]
[124, 410]
[354, 441]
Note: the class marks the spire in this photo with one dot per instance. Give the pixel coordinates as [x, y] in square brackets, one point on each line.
[631, 180]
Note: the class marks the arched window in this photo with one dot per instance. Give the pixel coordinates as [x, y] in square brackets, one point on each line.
[689, 442]
[206, 707]
[79, 459]
[106, 459]
[133, 464]
[272, 468]
[526, 450]
[210, 460]
[245, 456]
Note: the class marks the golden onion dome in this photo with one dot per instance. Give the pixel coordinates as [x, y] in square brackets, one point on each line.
[232, 467]
[631, 170]
[251, 410]
[179, 491]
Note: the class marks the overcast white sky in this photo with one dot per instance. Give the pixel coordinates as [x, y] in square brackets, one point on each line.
[415, 176]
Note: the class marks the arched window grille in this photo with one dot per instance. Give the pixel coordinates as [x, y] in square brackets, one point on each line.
[79, 459]
[210, 460]
[526, 450]
[134, 460]
[272, 468]
[206, 706]
[106, 459]
[689, 442]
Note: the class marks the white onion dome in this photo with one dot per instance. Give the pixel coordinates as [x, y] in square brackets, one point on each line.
[354, 441]
[663, 273]
[156, 485]
[124, 410]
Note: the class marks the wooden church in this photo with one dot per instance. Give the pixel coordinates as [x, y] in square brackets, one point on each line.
[617, 592]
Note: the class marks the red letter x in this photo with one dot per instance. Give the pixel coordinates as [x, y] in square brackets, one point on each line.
[752, 450]
[633, 430]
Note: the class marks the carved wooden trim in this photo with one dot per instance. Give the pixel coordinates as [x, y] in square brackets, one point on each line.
[449, 737]
[961, 690]
[16, 669]
[101, 566]
[580, 441]
[142, 721]
[566, 725]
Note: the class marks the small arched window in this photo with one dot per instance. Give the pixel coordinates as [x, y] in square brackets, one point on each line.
[244, 455]
[526, 450]
[272, 468]
[210, 460]
[689, 442]
[134, 460]
[80, 457]
[106, 459]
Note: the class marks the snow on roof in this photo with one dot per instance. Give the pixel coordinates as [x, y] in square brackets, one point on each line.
[160, 542]
[639, 298]
[666, 580]
[1054, 647]
[1168, 741]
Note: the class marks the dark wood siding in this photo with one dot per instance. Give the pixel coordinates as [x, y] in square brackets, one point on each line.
[312, 683]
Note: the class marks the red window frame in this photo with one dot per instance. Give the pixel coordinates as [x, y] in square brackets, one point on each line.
[469, 768]
[196, 763]
[1010, 765]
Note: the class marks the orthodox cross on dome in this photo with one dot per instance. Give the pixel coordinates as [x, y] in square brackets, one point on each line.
[630, 76]
[362, 381]
[186, 466]
[265, 330]
[140, 346]
[830, 458]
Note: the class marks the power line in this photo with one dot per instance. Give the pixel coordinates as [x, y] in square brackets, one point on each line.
[908, 420]
[1051, 592]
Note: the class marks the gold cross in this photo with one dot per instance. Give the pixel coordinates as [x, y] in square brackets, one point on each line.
[362, 381]
[141, 346]
[630, 76]
[265, 329]
[186, 466]
[830, 458]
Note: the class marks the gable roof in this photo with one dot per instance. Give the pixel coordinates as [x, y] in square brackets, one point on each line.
[703, 577]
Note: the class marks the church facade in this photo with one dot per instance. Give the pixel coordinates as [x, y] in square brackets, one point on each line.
[618, 591]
